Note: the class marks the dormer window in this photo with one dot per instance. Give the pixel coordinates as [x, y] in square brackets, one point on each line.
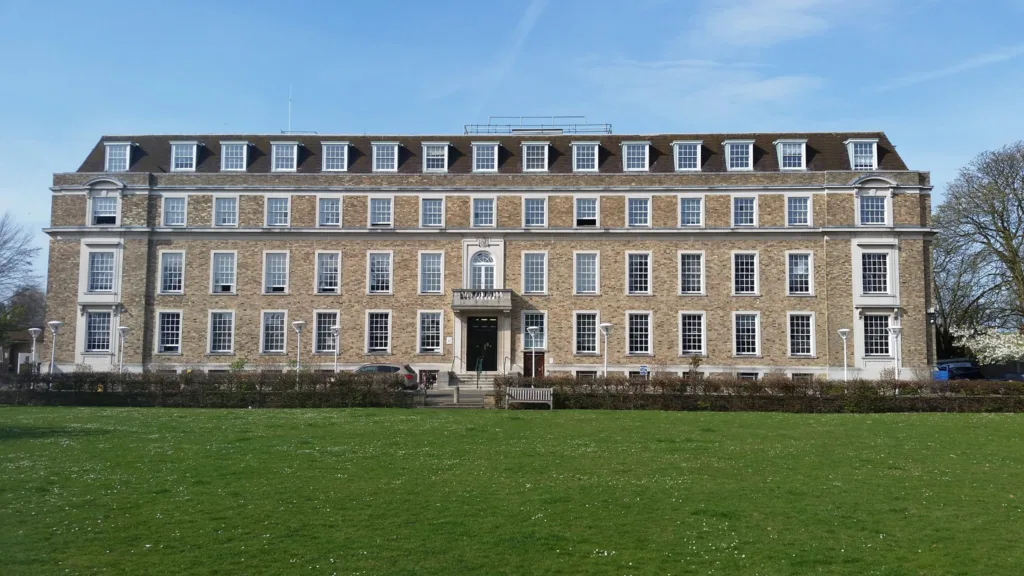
[687, 155]
[535, 156]
[234, 156]
[435, 157]
[485, 156]
[635, 156]
[863, 153]
[584, 156]
[183, 156]
[792, 154]
[739, 154]
[118, 156]
[385, 156]
[284, 156]
[335, 156]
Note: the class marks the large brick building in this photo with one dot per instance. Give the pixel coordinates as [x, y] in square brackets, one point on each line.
[750, 251]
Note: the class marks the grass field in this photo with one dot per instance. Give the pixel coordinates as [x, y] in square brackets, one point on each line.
[158, 491]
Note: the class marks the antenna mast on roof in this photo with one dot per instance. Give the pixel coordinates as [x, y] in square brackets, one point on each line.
[289, 107]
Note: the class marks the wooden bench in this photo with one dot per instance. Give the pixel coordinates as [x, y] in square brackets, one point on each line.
[530, 396]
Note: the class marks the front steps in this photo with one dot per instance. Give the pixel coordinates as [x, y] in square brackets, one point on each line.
[446, 399]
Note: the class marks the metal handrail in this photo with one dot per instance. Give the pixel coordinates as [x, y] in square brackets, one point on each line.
[451, 368]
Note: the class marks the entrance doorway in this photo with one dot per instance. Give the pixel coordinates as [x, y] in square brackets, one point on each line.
[481, 344]
[528, 360]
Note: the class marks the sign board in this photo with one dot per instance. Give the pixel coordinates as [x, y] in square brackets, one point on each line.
[643, 370]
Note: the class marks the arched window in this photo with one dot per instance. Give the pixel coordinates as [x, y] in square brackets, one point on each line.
[481, 272]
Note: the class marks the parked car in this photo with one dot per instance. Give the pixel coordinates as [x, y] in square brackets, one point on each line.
[403, 369]
[960, 369]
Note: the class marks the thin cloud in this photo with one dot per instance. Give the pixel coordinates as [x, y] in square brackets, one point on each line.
[519, 35]
[760, 22]
[971, 63]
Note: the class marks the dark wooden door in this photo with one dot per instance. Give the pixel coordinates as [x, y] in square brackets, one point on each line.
[482, 344]
[528, 360]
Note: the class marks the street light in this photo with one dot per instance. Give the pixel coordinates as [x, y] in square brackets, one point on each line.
[298, 325]
[120, 349]
[533, 348]
[895, 332]
[335, 330]
[34, 333]
[844, 333]
[54, 328]
[605, 328]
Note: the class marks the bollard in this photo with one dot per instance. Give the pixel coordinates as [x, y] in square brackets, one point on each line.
[456, 395]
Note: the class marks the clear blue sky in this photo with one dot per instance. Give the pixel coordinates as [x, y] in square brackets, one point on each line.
[945, 79]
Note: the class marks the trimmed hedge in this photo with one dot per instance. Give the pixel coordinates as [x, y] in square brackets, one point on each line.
[772, 394]
[201, 390]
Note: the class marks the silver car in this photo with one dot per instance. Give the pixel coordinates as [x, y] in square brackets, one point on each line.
[403, 369]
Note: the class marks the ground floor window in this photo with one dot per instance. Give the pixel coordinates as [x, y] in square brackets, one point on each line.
[97, 332]
[747, 375]
[586, 332]
[745, 332]
[876, 334]
[639, 335]
[691, 333]
[378, 331]
[222, 332]
[430, 332]
[586, 374]
[800, 332]
[273, 332]
[325, 341]
[534, 319]
[169, 332]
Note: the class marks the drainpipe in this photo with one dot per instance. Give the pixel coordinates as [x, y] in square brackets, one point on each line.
[824, 255]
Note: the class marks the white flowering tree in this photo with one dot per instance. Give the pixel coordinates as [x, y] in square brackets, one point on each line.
[991, 346]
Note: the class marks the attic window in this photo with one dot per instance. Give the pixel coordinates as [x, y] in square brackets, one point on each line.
[335, 156]
[385, 157]
[635, 156]
[118, 155]
[535, 156]
[183, 156]
[739, 154]
[435, 156]
[863, 153]
[791, 154]
[284, 156]
[687, 155]
[233, 156]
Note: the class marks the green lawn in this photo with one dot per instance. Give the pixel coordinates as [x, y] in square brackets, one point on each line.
[158, 491]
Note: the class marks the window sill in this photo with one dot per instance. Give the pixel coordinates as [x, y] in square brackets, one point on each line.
[693, 355]
[754, 295]
[587, 354]
[804, 356]
[694, 294]
[747, 356]
[215, 354]
[170, 293]
[647, 294]
[325, 353]
[168, 354]
[586, 294]
[98, 353]
[274, 354]
[430, 293]
[380, 294]
[275, 294]
[377, 353]
[640, 354]
[223, 293]
[327, 293]
[800, 295]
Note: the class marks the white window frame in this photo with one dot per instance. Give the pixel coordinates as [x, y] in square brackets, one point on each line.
[810, 269]
[423, 148]
[789, 335]
[757, 273]
[163, 210]
[650, 217]
[341, 210]
[675, 154]
[810, 210]
[596, 146]
[703, 336]
[803, 153]
[647, 155]
[546, 147]
[273, 156]
[107, 146]
[391, 272]
[728, 144]
[850, 148]
[576, 214]
[703, 272]
[494, 146]
[523, 334]
[419, 272]
[522, 272]
[234, 286]
[190, 144]
[862, 321]
[650, 272]
[890, 256]
[419, 333]
[102, 193]
[323, 153]
[757, 327]
[546, 206]
[650, 333]
[887, 203]
[375, 147]
[444, 215]
[112, 341]
[336, 342]
[266, 210]
[160, 275]
[209, 332]
[114, 273]
[238, 212]
[156, 339]
[369, 211]
[316, 273]
[287, 272]
[598, 335]
[263, 326]
[597, 272]
[245, 155]
[366, 331]
[472, 211]
[679, 210]
[732, 214]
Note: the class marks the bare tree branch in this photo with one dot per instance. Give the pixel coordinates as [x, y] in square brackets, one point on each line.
[16, 256]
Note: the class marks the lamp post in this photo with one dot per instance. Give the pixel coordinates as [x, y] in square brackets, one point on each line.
[605, 328]
[895, 331]
[54, 328]
[34, 333]
[120, 348]
[298, 325]
[844, 333]
[533, 349]
[335, 330]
